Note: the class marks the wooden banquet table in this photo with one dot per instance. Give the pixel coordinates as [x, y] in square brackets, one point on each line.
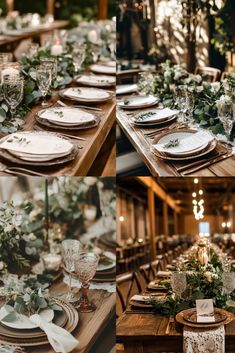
[92, 326]
[145, 333]
[159, 167]
[10, 41]
[98, 142]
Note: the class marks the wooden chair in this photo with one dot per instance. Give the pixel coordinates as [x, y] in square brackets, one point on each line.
[155, 265]
[209, 74]
[147, 272]
[127, 284]
[224, 75]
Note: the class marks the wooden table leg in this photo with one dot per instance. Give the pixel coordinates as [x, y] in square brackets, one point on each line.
[133, 347]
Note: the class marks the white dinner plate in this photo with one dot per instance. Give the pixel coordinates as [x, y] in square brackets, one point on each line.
[188, 149]
[103, 69]
[137, 102]
[112, 257]
[86, 94]
[36, 146]
[23, 322]
[66, 116]
[155, 116]
[96, 80]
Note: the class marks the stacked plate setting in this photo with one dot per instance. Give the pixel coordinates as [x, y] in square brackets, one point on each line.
[96, 80]
[37, 148]
[86, 94]
[155, 117]
[108, 68]
[29, 335]
[106, 272]
[137, 102]
[67, 118]
[183, 144]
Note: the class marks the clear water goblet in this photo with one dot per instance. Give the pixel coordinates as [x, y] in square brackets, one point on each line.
[70, 251]
[180, 100]
[44, 79]
[226, 116]
[13, 91]
[86, 265]
[190, 104]
[79, 55]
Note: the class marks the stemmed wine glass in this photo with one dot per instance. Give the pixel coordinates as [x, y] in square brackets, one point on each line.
[70, 252]
[178, 283]
[51, 64]
[85, 268]
[226, 115]
[228, 279]
[44, 79]
[13, 90]
[79, 55]
[190, 103]
[180, 99]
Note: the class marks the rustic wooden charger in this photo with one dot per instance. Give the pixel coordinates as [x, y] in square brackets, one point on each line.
[156, 123]
[182, 318]
[71, 324]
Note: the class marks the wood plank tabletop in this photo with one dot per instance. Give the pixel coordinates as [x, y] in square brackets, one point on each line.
[161, 168]
[94, 140]
[148, 332]
[91, 325]
[35, 32]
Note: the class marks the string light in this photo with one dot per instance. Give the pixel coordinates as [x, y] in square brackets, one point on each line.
[198, 202]
[121, 219]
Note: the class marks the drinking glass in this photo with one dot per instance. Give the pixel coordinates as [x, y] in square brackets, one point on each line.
[70, 252]
[5, 58]
[79, 55]
[228, 279]
[178, 283]
[13, 90]
[180, 100]
[44, 79]
[86, 265]
[50, 63]
[190, 103]
[226, 116]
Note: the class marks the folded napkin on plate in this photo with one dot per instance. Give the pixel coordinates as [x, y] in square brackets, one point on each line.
[158, 115]
[60, 339]
[163, 273]
[86, 93]
[191, 142]
[202, 340]
[141, 298]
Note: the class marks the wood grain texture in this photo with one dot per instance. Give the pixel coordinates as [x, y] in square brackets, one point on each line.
[149, 331]
[91, 325]
[158, 167]
[94, 140]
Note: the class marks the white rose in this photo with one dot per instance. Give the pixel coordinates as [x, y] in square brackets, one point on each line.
[2, 265]
[208, 276]
[167, 74]
[8, 228]
[32, 215]
[199, 89]
[90, 181]
[32, 237]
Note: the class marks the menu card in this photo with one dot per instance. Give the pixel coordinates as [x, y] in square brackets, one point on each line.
[205, 310]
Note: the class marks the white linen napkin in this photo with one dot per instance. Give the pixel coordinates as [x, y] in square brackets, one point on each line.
[122, 89]
[60, 339]
[189, 143]
[163, 274]
[196, 340]
[141, 298]
[68, 116]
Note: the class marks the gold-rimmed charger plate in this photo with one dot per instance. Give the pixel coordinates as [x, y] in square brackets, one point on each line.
[72, 322]
[180, 318]
[196, 154]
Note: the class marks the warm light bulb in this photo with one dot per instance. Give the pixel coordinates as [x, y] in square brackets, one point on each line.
[194, 202]
[223, 224]
[228, 224]
[121, 219]
[195, 181]
[200, 192]
[194, 194]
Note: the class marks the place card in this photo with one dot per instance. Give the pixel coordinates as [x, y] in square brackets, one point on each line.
[205, 310]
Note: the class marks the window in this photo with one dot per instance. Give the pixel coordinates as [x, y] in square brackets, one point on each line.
[204, 229]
